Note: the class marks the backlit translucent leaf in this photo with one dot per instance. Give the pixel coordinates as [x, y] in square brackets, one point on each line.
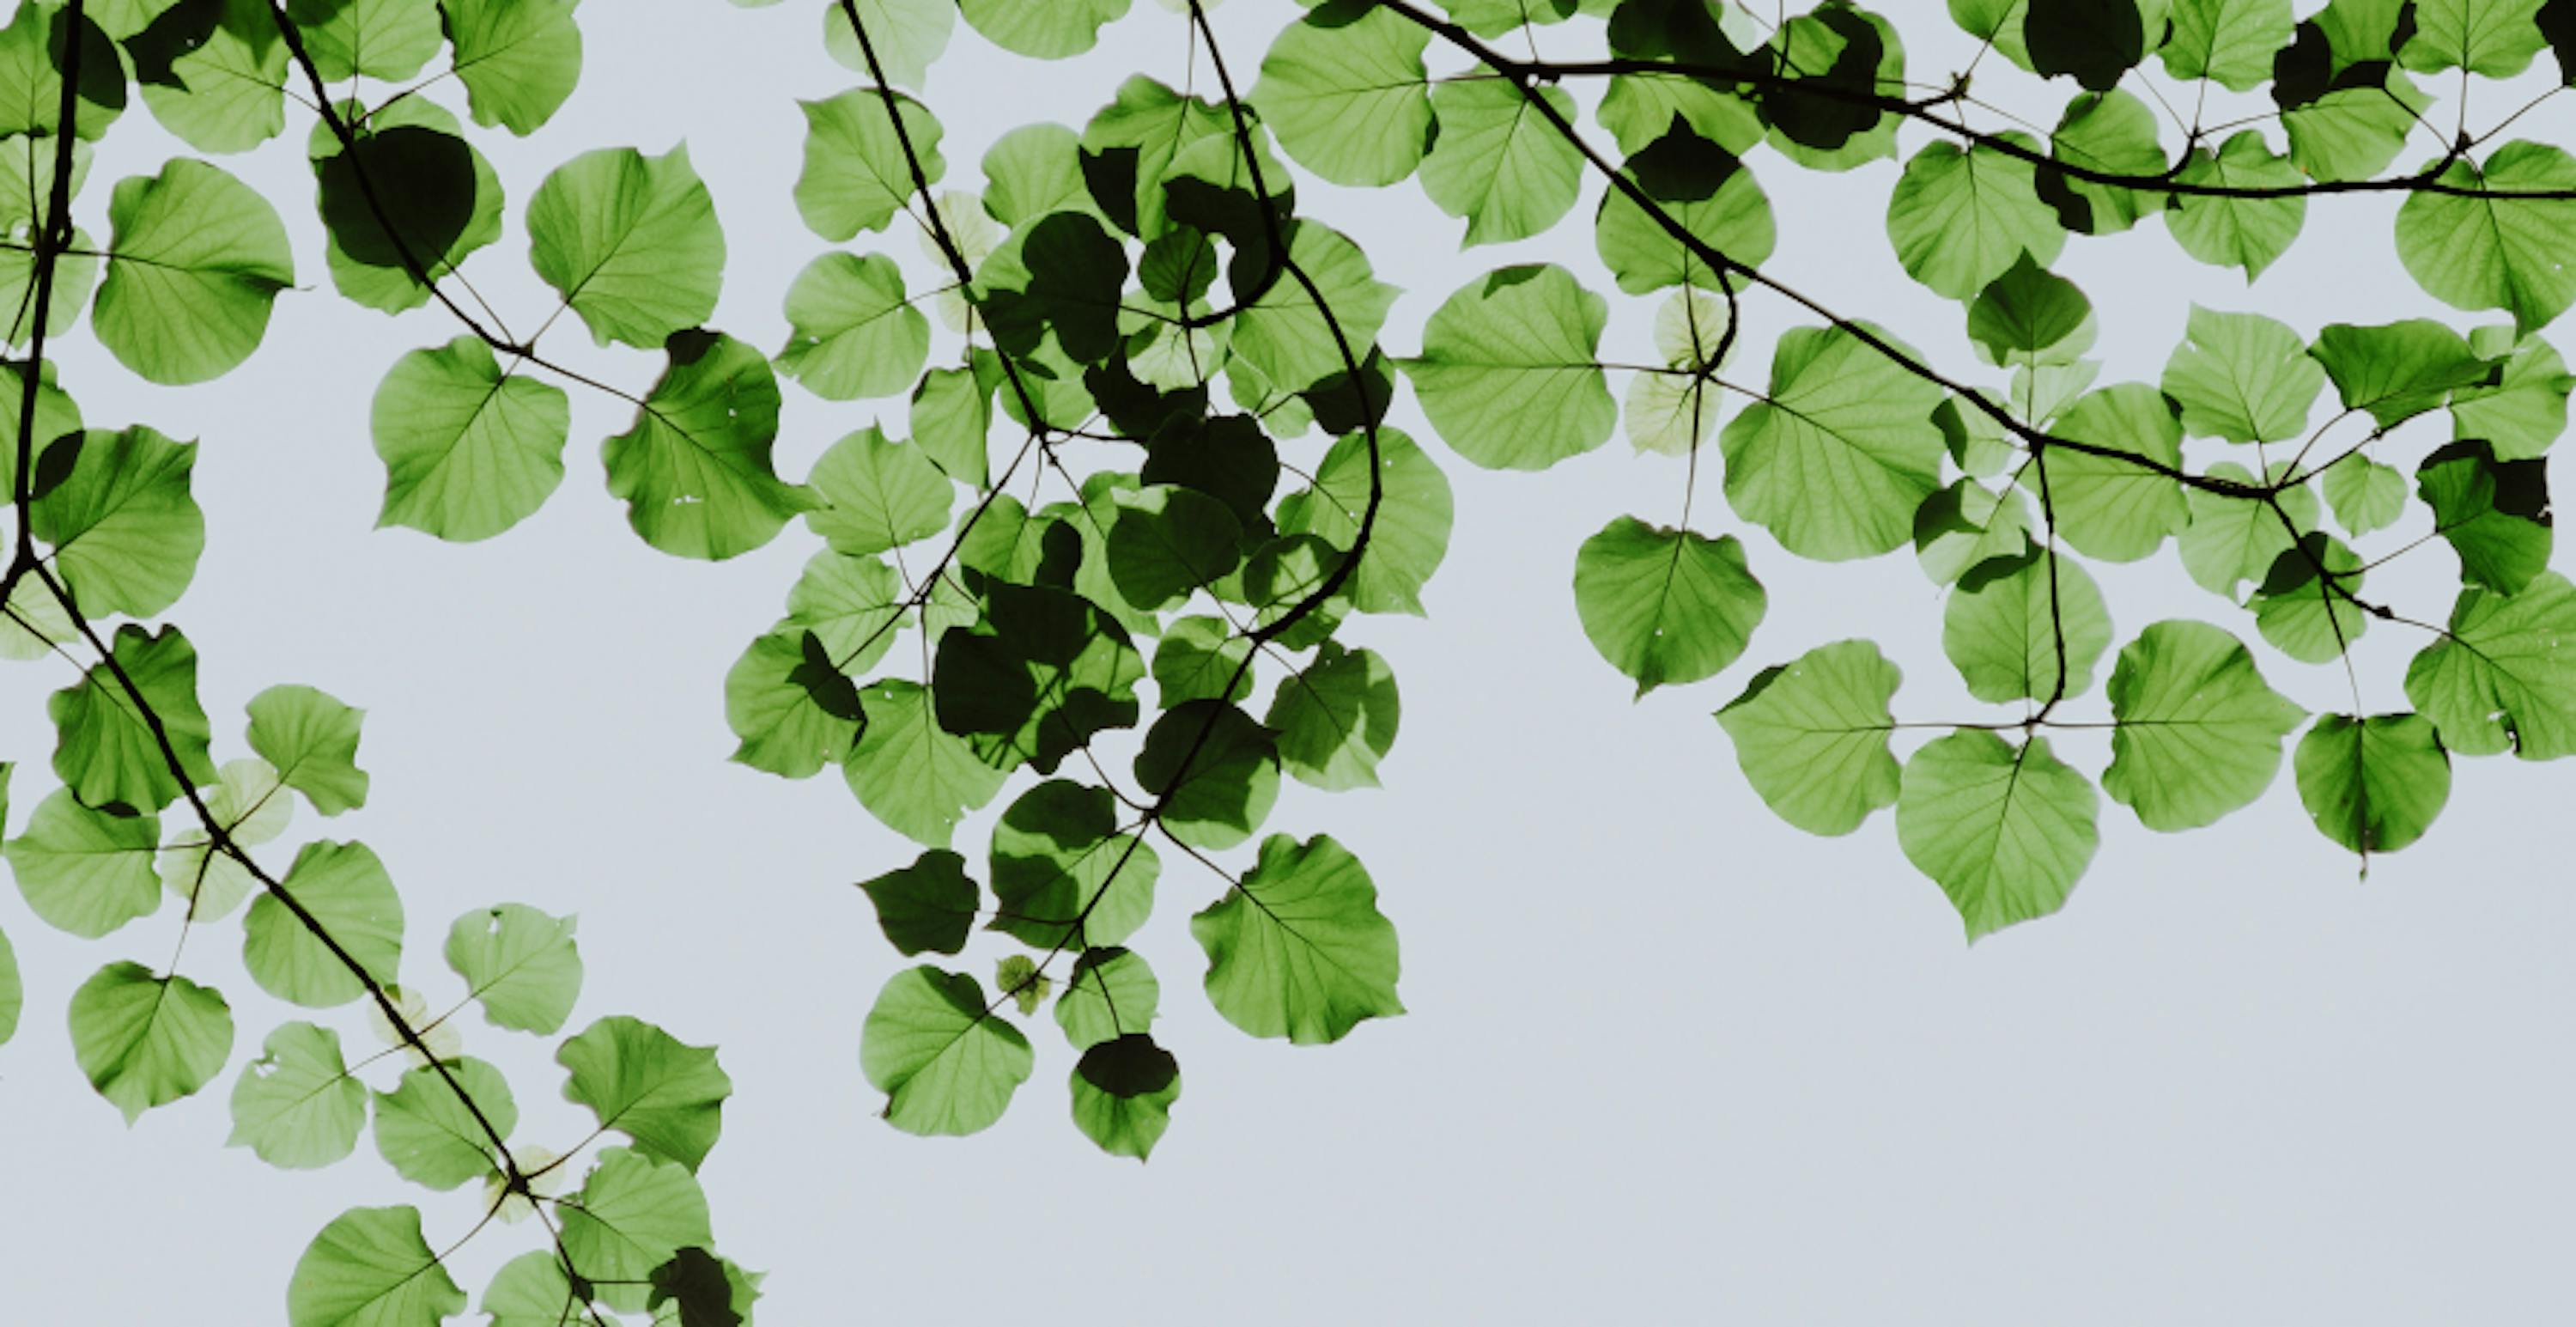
[297, 1106]
[945, 1064]
[1063, 874]
[253, 808]
[371, 1268]
[630, 242]
[518, 59]
[1169, 542]
[2353, 132]
[429, 1136]
[312, 740]
[1214, 771]
[793, 709]
[1285, 336]
[914, 777]
[2304, 607]
[196, 260]
[1411, 534]
[2525, 410]
[2113, 133]
[1038, 677]
[2494, 38]
[2242, 377]
[2030, 316]
[2494, 513]
[2199, 732]
[412, 163]
[1049, 31]
[2505, 676]
[633, 1212]
[907, 36]
[1812, 736]
[1123, 1090]
[1834, 461]
[146, 1041]
[344, 888]
[219, 92]
[1703, 187]
[13, 992]
[852, 605]
[2397, 370]
[521, 963]
[31, 86]
[2518, 255]
[469, 450]
[1109, 993]
[2232, 540]
[1961, 219]
[1336, 718]
[1299, 949]
[85, 871]
[2364, 494]
[855, 176]
[1345, 91]
[1967, 525]
[1508, 373]
[1665, 607]
[530, 1291]
[851, 331]
[2246, 233]
[123, 525]
[695, 469]
[2109, 507]
[105, 751]
[1198, 659]
[881, 494]
[1856, 55]
[1499, 163]
[387, 40]
[2375, 784]
[663, 1093]
[2003, 625]
[929, 905]
[2231, 42]
[2004, 830]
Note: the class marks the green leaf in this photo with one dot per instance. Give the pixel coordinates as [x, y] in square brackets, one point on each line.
[855, 176]
[1856, 55]
[13, 991]
[1049, 31]
[1812, 736]
[1170, 542]
[219, 84]
[1959, 220]
[2232, 540]
[881, 495]
[1507, 372]
[907, 35]
[1038, 677]
[469, 450]
[851, 331]
[2494, 513]
[1062, 873]
[411, 163]
[1665, 607]
[630, 242]
[105, 751]
[521, 963]
[1200, 658]
[2242, 377]
[952, 418]
[32, 52]
[430, 1136]
[2005, 620]
[2525, 409]
[252, 807]
[793, 709]
[929, 905]
[371, 1268]
[196, 260]
[1123, 1090]
[1036, 169]
[2097, 41]
[85, 871]
[1345, 91]
[663, 1093]
[1285, 336]
[2245, 233]
[2353, 132]
[854, 606]
[2004, 830]
[2504, 677]
[2199, 733]
[2518, 255]
[297, 1106]
[2375, 784]
[1214, 772]
[1703, 187]
[311, 740]
[529, 1291]
[1498, 163]
[56, 415]
[695, 470]
[2110, 507]
[386, 40]
[2113, 133]
[913, 776]
[633, 1213]
[518, 59]
[1110, 993]
[1836, 457]
[2397, 370]
[2491, 38]
[946, 1065]
[146, 1041]
[2030, 316]
[1411, 534]
[1967, 525]
[1336, 718]
[2366, 496]
[2231, 42]
[344, 889]
[2304, 606]
[1298, 949]
[125, 530]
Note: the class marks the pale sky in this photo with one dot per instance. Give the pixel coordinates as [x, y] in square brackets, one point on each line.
[1667, 1060]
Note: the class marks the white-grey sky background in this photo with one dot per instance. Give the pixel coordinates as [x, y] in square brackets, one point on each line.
[1668, 1060]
